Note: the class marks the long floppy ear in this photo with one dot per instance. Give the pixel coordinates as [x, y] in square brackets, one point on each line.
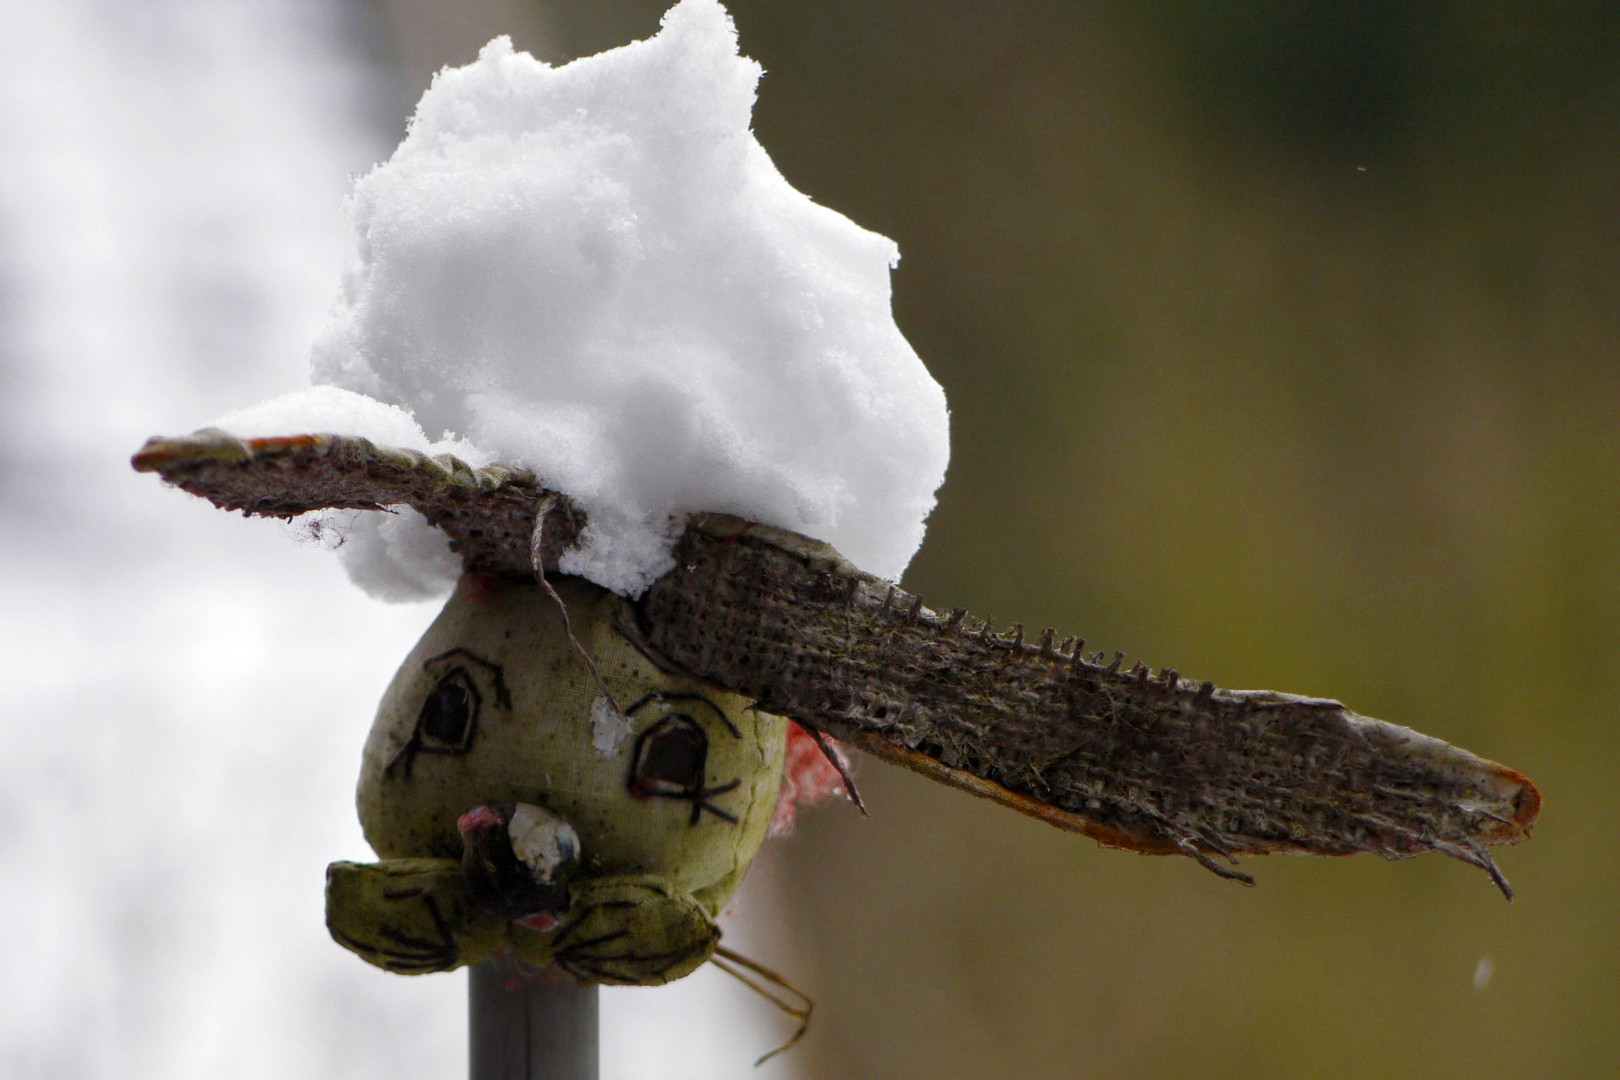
[1146, 761]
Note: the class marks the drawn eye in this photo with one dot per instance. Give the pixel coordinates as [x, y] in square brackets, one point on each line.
[448, 721]
[671, 757]
[450, 713]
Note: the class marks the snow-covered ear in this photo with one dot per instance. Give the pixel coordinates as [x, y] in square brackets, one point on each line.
[1134, 758]
[488, 514]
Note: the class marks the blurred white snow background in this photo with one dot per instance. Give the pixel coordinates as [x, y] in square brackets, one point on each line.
[186, 693]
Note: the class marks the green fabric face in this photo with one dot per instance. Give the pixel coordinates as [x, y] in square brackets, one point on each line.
[409, 916]
[495, 705]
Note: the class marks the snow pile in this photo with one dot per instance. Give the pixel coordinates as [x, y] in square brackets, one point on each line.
[328, 409]
[596, 272]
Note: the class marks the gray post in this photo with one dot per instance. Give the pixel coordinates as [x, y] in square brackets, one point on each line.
[529, 1025]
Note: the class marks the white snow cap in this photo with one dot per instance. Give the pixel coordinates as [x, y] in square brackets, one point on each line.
[596, 272]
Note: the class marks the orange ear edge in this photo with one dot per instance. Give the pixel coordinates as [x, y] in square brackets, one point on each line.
[919, 762]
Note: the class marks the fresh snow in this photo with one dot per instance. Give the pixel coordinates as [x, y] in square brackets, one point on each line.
[187, 694]
[328, 409]
[596, 272]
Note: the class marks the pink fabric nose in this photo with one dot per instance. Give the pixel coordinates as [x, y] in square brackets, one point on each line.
[478, 818]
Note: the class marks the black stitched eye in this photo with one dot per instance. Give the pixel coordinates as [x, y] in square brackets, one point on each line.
[448, 722]
[671, 755]
[450, 712]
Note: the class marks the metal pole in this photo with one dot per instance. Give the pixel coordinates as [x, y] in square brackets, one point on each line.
[528, 1025]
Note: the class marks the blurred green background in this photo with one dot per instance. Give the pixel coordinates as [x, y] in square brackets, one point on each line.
[1281, 345]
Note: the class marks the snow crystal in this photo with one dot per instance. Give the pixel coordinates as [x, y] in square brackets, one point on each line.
[330, 410]
[596, 272]
[397, 556]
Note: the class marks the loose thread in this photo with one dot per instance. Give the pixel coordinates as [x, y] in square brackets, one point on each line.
[838, 763]
[1483, 860]
[723, 958]
[542, 512]
[1189, 849]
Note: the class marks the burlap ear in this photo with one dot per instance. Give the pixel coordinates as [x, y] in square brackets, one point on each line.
[496, 705]
[1138, 759]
